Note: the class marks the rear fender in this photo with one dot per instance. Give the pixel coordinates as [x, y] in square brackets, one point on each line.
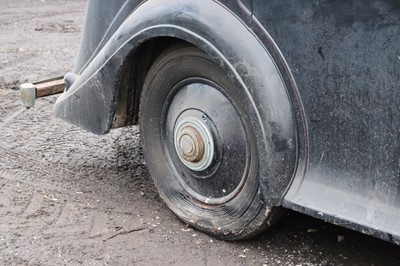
[91, 101]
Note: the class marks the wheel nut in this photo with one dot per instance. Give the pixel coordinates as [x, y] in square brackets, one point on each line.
[187, 145]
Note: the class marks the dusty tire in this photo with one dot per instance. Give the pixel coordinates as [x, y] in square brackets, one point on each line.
[200, 147]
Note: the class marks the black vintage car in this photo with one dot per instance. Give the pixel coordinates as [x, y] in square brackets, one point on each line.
[246, 106]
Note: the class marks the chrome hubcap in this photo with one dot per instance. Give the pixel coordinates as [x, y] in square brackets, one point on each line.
[194, 144]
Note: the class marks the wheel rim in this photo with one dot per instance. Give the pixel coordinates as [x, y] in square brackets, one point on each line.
[205, 141]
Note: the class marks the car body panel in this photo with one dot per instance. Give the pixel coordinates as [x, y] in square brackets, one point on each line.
[344, 56]
[339, 62]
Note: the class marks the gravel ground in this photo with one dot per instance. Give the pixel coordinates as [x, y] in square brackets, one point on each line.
[68, 197]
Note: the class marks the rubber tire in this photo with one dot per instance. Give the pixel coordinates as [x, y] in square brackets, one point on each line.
[242, 217]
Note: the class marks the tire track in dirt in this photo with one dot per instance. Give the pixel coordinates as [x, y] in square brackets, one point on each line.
[26, 169]
[18, 167]
[55, 214]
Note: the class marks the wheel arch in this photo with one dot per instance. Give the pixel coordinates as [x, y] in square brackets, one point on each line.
[95, 101]
[131, 79]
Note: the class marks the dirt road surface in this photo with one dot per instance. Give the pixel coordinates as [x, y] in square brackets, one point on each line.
[68, 197]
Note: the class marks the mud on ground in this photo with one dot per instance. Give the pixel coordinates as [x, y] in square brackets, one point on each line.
[68, 197]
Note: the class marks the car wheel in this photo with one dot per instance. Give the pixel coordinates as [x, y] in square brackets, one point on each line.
[199, 143]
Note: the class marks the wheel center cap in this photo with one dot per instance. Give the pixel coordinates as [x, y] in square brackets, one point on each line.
[191, 144]
[194, 144]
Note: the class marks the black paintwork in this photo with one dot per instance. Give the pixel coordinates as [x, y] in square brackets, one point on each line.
[344, 56]
[338, 62]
